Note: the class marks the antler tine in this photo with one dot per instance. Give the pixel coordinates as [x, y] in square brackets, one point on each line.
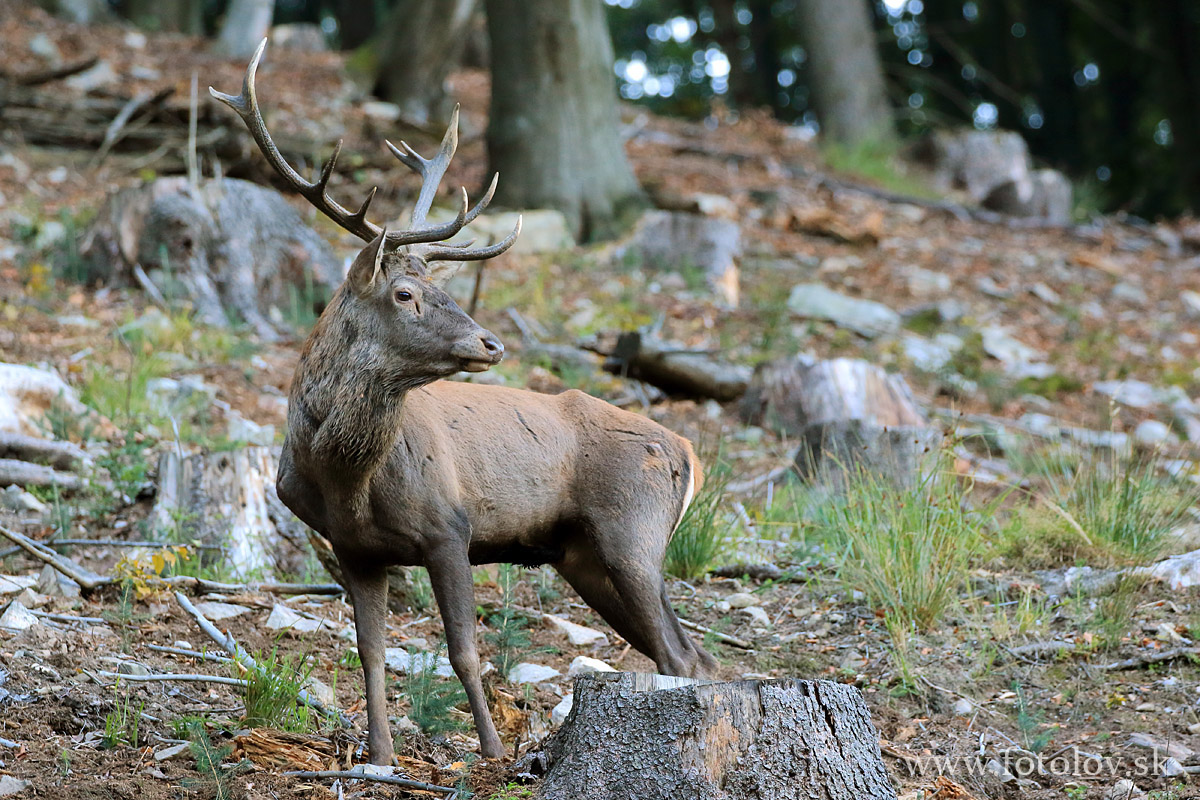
[450, 253]
[431, 170]
[246, 106]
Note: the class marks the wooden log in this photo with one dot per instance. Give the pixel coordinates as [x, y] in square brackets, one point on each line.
[60, 455]
[653, 737]
[848, 415]
[676, 370]
[23, 473]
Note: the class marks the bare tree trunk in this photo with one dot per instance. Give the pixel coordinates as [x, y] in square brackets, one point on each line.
[553, 129]
[356, 22]
[246, 23]
[420, 43]
[845, 70]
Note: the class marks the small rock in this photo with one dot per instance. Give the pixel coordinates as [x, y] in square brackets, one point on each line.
[135, 40]
[10, 785]
[167, 753]
[722, 607]
[285, 618]
[1135, 394]
[741, 600]
[31, 599]
[53, 583]
[1191, 302]
[1160, 747]
[381, 110]
[17, 499]
[583, 665]
[1171, 768]
[240, 429]
[322, 692]
[405, 725]
[558, 714]
[964, 707]
[1124, 789]
[1044, 293]
[152, 324]
[759, 615]
[1130, 293]
[1000, 771]
[1002, 346]
[43, 47]
[578, 635]
[402, 661]
[923, 282]
[12, 584]
[1152, 433]
[96, 77]
[527, 672]
[17, 617]
[865, 317]
[216, 611]
[126, 666]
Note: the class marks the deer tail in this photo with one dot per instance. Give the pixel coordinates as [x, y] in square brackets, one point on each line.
[693, 480]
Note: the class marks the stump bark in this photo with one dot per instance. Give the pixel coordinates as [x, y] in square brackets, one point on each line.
[849, 416]
[653, 737]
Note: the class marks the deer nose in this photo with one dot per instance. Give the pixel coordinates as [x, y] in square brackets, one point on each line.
[492, 345]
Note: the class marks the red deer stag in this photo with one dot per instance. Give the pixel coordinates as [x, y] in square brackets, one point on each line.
[395, 466]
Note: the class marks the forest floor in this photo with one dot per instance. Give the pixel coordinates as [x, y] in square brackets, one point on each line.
[1007, 684]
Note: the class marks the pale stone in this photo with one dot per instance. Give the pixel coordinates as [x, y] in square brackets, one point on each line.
[17, 617]
[527, 672]
[284, 618]
[400, 660]
[10, 785]
[12, 584]
[558, 714]
[167, 753]
[759, 615]
[741, 600]
[578, 635]
[584, 665]
[865, 317]
[217, 611]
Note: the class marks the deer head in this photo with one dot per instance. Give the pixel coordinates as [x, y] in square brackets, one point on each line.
[393, 289]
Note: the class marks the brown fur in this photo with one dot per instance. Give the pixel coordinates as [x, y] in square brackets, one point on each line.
[397, 467]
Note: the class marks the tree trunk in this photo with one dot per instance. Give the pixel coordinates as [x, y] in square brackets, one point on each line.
[848, 415]
[553, 131]
[419, 45]
[247, 22]
[170, 16]
[659, 738]
[845, 71]
[356, 22]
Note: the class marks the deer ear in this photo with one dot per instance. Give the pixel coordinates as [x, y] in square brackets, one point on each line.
[440, 272]
[367, 265]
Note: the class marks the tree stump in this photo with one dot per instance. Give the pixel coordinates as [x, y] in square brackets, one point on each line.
[849, 415]
[652, 737]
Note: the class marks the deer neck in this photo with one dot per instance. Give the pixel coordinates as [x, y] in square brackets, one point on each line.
[348, 410]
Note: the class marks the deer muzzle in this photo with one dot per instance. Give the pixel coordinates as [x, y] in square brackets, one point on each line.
[478, 352]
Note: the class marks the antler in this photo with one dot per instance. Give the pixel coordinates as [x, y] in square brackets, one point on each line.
[317, 192]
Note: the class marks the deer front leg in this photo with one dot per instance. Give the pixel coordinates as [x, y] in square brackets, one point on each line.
[450, 575]
[368, 591]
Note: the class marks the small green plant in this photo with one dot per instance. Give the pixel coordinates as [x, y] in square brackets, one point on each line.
[430, 698]
[1075, 792]
[1115, 611]
[64, 762]
[700, 538]
[272, 692]
[350, 660]
[123, 617]
[214, 778]
[1029, 723]
[513, 791]
[510, 627]
[121, 724]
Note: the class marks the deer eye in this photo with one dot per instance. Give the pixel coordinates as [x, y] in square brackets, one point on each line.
[403, 296]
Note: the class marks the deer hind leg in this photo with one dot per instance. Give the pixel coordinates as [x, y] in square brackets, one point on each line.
[626, 588]
[368, 592]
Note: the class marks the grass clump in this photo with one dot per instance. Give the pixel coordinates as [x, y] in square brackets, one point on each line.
[700, 538]
[272, 693]
[907, 548]
[1108, 512]
[122, 723]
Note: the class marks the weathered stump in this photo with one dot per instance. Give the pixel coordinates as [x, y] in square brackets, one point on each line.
[850, 416]
[652, 737]
[228, 499]
[674, 369]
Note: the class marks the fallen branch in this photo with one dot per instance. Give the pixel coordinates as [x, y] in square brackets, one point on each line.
[183, 651]
[758, 572]
[87, 579]
[1137, 662]
[23, 473]
[720, 637]
[244, 659]
[642, 355]
[60, 455]
[68, 617]
[365, 776]
[46, 76]
[175, 676]
[187, 582]
[121, 543]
